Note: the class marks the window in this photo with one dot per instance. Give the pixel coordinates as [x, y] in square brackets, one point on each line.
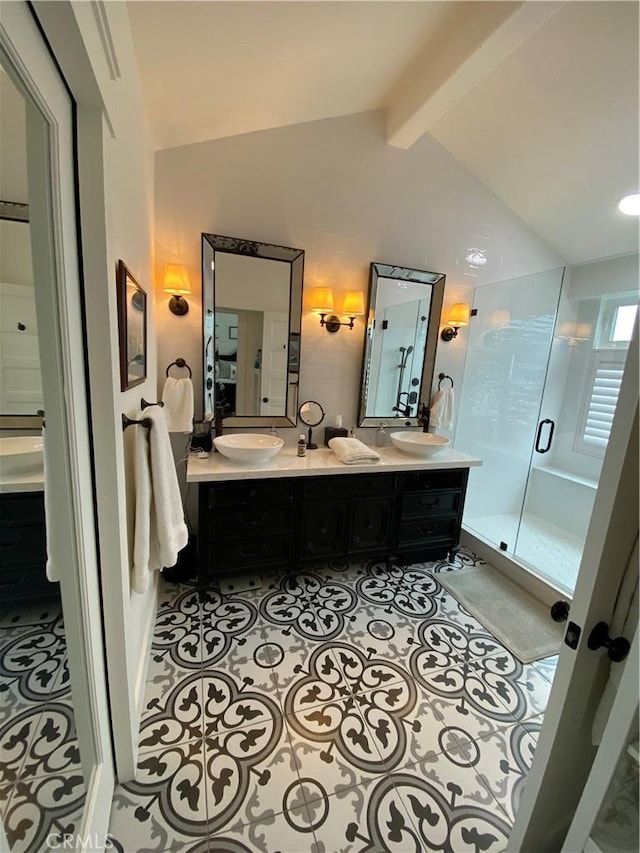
[615, 321]
[603, 388]
[615, 327]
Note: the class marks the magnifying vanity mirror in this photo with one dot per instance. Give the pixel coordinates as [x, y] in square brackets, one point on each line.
[400, 344]
[251, 310]
[311, 414]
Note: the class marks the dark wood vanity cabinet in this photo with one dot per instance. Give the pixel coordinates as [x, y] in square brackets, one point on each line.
[283, 522]
[245, 525]
[346, 514]
[23, 548]
[430, 513]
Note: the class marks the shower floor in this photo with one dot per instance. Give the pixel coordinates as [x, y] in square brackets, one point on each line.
[551, 551]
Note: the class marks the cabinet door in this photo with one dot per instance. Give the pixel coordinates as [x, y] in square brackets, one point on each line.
[323, 529]
[370, 522]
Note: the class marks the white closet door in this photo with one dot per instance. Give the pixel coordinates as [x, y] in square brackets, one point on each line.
[52, 215]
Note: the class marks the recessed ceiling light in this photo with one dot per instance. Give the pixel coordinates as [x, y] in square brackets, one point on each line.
[475, 257]
[630, 204]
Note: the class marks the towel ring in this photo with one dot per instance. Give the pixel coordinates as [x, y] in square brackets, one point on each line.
[144, 404]
[179, 362]
[442, 376]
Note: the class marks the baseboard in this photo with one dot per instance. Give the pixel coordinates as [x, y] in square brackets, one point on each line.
[143, 661]
[92, 834]
[516, 572]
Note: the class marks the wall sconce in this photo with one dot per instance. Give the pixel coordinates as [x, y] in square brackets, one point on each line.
[175, 280]
[574, 333]
[322, 304]
[458, 316]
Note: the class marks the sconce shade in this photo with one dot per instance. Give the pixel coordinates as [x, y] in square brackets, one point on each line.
[322, 300]
[458, 315]
[353, 303]
[176, 279]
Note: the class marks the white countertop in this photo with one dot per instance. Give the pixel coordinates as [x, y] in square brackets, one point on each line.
[31, 482]
[287, 463]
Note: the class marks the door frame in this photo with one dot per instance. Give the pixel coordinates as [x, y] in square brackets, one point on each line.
[614, 741]
[565, 752]
[52, 197]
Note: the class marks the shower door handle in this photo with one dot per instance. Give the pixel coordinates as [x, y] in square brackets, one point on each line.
[539, 434]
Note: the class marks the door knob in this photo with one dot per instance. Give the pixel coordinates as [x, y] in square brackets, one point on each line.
[560, 611]
[599, 638]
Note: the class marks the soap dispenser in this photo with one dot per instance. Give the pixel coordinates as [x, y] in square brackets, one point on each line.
[381, 435]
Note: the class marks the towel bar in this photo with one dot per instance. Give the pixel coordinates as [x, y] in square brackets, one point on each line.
[442, 376]
[144, 404]
[179, 362]
[127, 422]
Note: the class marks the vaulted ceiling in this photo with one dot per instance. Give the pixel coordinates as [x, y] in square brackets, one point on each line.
[538, 99]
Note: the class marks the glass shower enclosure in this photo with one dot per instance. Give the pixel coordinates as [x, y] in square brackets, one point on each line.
[542, 372]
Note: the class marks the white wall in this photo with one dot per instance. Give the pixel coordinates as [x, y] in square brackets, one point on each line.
[337, 190]
[92, 44]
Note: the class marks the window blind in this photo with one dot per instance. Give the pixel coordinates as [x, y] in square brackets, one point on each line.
[601, 406]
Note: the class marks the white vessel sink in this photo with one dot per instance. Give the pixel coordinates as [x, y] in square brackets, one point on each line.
[419, 443]
[20, 454]
[250, 447]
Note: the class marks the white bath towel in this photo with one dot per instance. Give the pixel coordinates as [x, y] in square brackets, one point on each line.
[352, 451]
[51, 569]
[160, 529]
[177, 396]
[441, 415]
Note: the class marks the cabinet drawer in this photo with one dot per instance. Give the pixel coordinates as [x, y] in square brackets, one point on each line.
[19, 509]
[251, 521]
[243, 494]
[413, 532]
[248, 554]
[421, 504]
[345, 486]
[419, 481]
[22, 546]
[27, 583]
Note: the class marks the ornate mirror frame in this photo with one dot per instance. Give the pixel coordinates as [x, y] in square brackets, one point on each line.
[436, 282]
[212, 246]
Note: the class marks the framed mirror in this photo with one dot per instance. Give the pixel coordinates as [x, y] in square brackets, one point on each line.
[132, 329]
[403, 318]
[251, 314]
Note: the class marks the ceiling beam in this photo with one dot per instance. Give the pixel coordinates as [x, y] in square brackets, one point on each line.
[474, 40]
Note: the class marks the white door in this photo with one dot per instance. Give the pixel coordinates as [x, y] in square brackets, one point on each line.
[565, 753]
[273, 377]
[20, 383]
[52, 215]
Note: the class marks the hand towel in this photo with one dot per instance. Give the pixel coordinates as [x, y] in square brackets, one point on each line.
[441, 415]
[177, 396]
[351, 451]
[160, 529]
[51, 567]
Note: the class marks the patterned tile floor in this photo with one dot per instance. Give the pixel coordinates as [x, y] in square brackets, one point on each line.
[344, 708]
[41, 784]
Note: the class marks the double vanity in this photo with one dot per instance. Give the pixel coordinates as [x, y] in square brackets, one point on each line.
[291, 511]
